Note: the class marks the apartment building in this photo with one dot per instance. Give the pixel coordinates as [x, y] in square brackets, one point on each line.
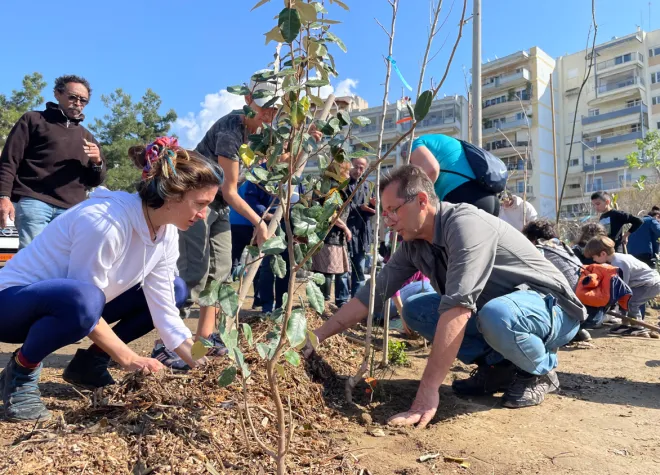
[447, 116]
[517, 122]
[619, 103]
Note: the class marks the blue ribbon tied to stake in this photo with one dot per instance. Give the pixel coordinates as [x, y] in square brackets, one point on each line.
[398, 72]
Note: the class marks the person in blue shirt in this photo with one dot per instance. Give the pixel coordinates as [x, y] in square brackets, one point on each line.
[443, 159]
[643, 243]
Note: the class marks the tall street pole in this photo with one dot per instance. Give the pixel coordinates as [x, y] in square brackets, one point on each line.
[476, 74]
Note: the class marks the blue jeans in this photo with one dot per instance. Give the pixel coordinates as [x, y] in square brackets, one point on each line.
[357, 272]
[270, 298]
[32, 216]
[342, 293]
[51, 314]
[523, 327]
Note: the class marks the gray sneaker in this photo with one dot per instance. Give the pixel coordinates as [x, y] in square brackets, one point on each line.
[529, 389]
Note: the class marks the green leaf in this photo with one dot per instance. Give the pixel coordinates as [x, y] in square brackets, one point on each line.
[297, 113]
[344, 118]
[275, 245]
[315, 297]
[240, 362]
[307, 11]
[209, 296]
[298, 255]
[361, 120]
[323, 162]
[317, 83]
[304, 226]
[289, 23]
[231, 341]
[332, 127]
[274, 35]
[227, 376]
[238, 90]
[360, 154]
[334, 39]
[318, 278]
[296, 329]
[411, 111]
[261, 2]
[292, 357]
[253, 251]
[261, 93]
[341, 4]
[262, 349]
[249, 112]
[247, 332]
[260, 173]
[423, 105]
[286, 72]
[278, 266]
[228, 299]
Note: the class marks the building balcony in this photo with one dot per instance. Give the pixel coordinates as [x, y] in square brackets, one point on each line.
[590, 168]
[519, 190]
[504, 148]
[507, 80]
[612, 87]
[606, 186]
[514, 124]
[506, 106]
[611, 138]
[621, 62]
[614, 114]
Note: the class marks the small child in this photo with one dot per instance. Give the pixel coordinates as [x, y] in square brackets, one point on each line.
[644, 281]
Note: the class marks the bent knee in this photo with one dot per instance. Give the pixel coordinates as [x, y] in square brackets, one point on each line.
[87, 303]
[494, 317]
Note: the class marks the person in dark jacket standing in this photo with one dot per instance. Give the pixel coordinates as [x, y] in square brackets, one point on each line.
[49, 161]
[359, 222]
[643, 243]
[614, 219]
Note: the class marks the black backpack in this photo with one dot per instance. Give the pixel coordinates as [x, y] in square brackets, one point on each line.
[490, 172]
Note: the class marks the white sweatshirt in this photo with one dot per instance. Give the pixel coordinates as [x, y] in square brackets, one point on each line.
[105, 241]
[514, 215]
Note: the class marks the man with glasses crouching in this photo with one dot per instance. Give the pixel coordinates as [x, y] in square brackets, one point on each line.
[49, 161]
[497, 302]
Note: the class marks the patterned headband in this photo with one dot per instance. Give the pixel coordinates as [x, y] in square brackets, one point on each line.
[154, 152]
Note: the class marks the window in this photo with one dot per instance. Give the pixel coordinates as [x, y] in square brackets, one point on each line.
[574, 162]
[615, 158]
[654, 52]
[574, 186]
[657, 125]
[655, 77]
[624, 58]
[634, 103]
[595, 159]
[656, 100]
[635, 127]
[520, 116]
[594, 112]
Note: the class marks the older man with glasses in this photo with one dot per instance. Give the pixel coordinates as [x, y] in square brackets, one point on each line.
[497, 301]
[49, 161]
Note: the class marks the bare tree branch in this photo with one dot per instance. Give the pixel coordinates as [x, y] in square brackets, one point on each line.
[591, 57]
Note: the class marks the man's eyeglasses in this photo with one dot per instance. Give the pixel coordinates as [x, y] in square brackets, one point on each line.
[390, 216]
[75, 98]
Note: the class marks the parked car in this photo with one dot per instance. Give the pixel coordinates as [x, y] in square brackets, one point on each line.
[8, 243]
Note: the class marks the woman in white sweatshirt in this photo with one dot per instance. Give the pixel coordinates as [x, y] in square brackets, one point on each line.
[110, 259]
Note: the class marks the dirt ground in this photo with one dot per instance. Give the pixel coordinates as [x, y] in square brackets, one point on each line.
[605, 420]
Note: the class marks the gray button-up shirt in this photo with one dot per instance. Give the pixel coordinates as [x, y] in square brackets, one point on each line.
[474, 257]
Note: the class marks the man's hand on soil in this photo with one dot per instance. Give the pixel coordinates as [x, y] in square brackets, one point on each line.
[422, 411]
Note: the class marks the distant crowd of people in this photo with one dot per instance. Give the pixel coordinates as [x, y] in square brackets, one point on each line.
[477, 273]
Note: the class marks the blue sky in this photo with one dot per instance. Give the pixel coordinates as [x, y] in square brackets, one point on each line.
[188, 52]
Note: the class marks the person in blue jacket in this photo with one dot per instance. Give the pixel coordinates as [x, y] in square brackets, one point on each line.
[444, 161]
[643, 243]
[242, 229]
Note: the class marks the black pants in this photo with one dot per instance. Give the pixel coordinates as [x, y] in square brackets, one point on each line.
[648, 259]
[472, 193]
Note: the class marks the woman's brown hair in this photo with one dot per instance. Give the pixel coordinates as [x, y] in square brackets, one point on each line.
[170, 171]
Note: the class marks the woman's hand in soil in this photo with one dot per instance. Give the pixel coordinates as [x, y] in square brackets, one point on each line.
[422, 411]
[144, 364]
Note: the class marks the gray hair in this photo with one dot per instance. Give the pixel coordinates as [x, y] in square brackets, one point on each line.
[412, 180]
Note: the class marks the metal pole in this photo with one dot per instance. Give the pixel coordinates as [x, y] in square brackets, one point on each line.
[476, 74]
[554, 145]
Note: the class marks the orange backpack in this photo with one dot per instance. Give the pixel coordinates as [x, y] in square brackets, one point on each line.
[601, 285]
